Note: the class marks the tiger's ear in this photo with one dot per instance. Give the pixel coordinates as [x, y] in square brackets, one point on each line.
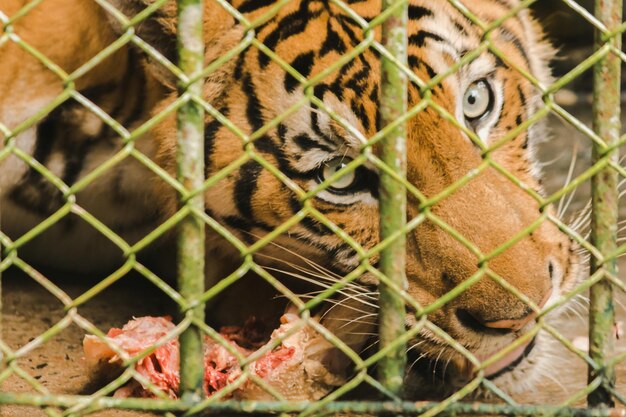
[221, 33]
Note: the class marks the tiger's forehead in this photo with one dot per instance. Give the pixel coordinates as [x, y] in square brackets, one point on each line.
[463, 22]
[312, 36]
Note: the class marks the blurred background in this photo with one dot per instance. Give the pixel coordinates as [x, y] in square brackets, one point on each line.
[573, 36]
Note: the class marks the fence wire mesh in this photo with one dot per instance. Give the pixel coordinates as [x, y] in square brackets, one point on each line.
[294, 139]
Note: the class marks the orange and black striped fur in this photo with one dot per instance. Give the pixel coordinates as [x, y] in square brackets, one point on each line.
[307, 146]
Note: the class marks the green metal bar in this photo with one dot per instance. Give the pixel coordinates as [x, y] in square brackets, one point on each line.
[337, 407]
[393, 105]
[605, 197]
[190, 173]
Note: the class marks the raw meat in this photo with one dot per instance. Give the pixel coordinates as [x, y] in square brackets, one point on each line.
[297, 368]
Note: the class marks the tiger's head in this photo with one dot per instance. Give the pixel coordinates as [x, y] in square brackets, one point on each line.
[482, 86]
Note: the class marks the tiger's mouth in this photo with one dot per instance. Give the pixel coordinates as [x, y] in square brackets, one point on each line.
[510, 361]
[459, 371]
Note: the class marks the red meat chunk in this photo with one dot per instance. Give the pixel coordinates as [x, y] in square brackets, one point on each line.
[287, 368]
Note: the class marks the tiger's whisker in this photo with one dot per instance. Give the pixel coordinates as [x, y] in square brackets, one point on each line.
[562, 208]
[309, 262]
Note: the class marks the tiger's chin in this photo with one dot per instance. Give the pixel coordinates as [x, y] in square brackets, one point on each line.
[436, 375]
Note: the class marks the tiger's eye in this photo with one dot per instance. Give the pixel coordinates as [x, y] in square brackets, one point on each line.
[331, 168]
[478, 100]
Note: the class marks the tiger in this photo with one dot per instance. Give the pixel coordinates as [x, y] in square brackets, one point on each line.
[488, 95]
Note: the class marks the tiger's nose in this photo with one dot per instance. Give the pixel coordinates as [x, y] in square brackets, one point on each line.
[510, 324]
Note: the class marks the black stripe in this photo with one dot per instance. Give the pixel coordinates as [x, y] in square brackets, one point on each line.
[237, 223]
[419, 39]
[305, 142]
[245, 187]
[358, 108]
[418, 12]
[75, 159]
[156, 33]
[271, 40]
[332, 42]
[507, 35]
[265, 144]
[309, 223]
[290, 25]
[522, 97]
[281, 129]
[46, 138]
[210, 135]
[253, 107]
[316, 129]
[303, 63]
[359, 81]
[254, 5]
[460, 26]
[347, 24]
[129, 99]
[375, 97]
[33, 192]
[136, 78]
[240, 64]
[431, 72]
[296, 22]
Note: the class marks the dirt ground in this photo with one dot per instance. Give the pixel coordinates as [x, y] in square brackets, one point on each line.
[28, 310]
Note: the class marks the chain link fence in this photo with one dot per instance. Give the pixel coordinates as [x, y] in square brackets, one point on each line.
[381, 256]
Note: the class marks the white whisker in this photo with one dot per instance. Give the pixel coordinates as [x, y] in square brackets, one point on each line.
[309, 262]
[344, 291]
[356, 320]
[437, 361]
[422, 355]
[371, 345]
[562, 208]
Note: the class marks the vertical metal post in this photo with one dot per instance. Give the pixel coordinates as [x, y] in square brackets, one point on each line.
[191, 174]
[393, 196]
[605, 195]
